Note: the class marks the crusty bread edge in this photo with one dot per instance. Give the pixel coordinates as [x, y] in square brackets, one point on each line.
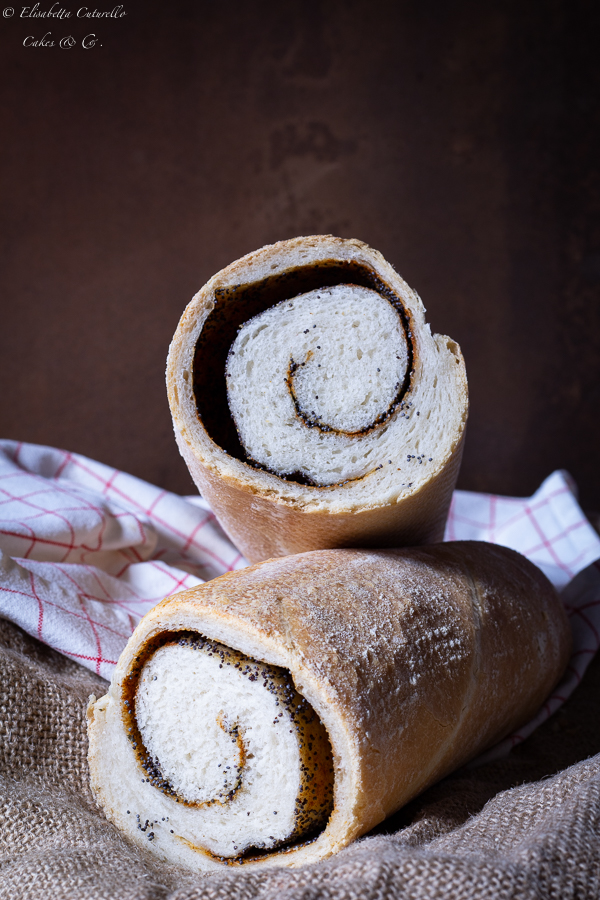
[258, 509]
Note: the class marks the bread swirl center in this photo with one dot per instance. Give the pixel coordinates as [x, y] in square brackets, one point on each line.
[243, 762]
[333, 362]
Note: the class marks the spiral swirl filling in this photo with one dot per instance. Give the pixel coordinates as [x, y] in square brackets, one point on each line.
[241, 758]
[313, 380]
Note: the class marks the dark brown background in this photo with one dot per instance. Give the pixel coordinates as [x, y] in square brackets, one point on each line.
[459, 138]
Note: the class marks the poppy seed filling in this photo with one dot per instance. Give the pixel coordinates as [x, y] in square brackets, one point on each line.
[311, 382]
[231, 739]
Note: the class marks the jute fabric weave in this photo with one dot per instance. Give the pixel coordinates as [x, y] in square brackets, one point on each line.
[525, 827]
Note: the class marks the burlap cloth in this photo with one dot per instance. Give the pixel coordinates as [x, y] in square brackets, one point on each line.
[525, 827]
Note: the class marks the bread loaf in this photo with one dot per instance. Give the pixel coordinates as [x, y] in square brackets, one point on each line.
[272, 715]
[312, 404]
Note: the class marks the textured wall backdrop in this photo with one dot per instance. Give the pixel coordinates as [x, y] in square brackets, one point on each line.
[459, 138]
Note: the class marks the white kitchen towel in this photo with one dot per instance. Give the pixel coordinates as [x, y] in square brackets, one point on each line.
[86, 550]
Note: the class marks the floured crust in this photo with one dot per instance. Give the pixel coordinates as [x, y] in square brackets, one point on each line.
[266, 515]
[414, 660]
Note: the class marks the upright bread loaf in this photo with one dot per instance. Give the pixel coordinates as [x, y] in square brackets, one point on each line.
[312, 404]
[272, 715]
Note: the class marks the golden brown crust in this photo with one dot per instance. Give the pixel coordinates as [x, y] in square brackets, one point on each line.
[415, 661]
[264, 527]
[269, 516]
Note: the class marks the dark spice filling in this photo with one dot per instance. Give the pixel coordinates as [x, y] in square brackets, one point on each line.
[236, 305]
[313, 420]
[253, 854]
[316, 763]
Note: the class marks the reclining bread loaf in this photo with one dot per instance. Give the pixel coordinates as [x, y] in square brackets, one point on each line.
[312, 404]
[272, 715]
